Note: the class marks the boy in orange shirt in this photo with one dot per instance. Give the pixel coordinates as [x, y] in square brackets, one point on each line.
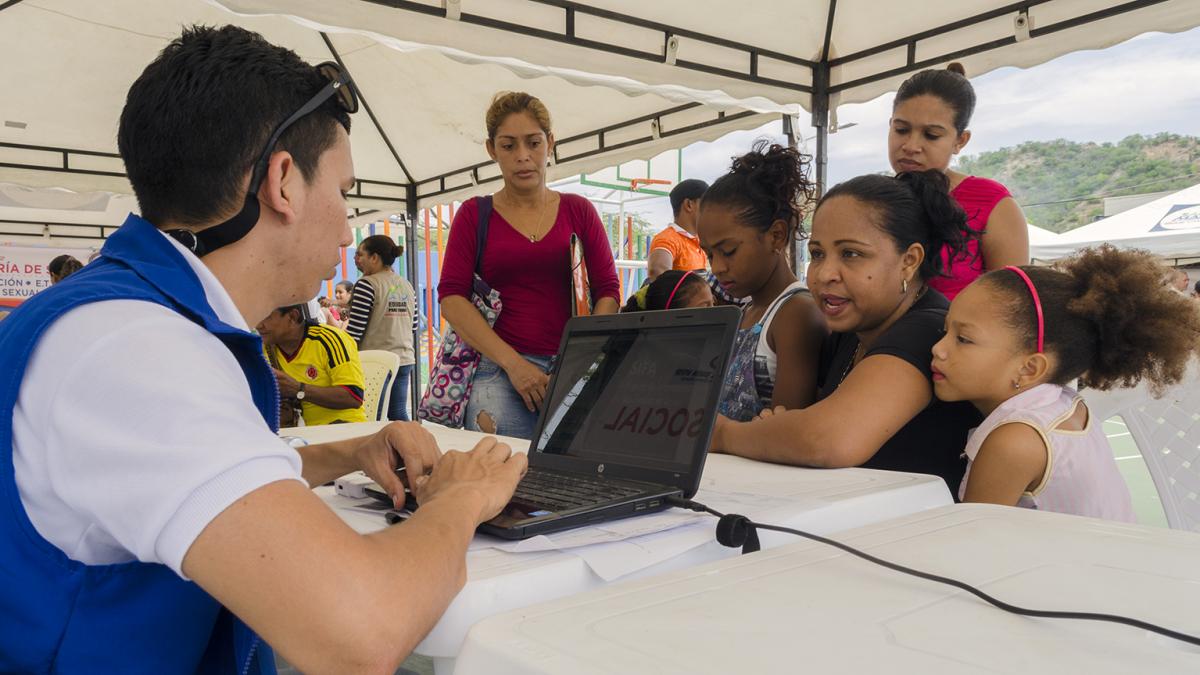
[677, 247]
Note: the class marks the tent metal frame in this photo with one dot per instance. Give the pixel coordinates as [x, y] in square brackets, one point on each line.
[820, 89]
[86, 231]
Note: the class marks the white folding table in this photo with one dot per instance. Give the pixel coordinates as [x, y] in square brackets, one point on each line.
[808, 607]
[825, 501]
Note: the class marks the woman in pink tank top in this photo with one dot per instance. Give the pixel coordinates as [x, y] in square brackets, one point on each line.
[928, 127]
[1014, 340]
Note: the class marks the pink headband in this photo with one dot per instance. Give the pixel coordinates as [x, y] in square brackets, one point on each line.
[677, 285]
[1037, 305]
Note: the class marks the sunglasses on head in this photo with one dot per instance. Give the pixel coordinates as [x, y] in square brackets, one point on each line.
[341, 88]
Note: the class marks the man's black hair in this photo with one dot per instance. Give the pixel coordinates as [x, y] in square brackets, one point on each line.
[692, 188]
[199, 115]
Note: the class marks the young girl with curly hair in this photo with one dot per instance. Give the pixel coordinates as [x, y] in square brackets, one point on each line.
[1017, 337]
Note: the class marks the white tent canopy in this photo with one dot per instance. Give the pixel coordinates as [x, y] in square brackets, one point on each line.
[814, 53]
[422, 129]
[624, 79]
[773, 50]
[1168, 227]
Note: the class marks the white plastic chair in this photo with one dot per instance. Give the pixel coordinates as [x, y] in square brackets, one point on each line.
[379, 369]
[1167, 434]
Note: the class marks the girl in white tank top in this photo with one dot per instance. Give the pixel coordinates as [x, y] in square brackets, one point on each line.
[749, 219]
[1017, 336]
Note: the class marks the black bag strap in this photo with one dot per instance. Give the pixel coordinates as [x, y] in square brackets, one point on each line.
[485, 215]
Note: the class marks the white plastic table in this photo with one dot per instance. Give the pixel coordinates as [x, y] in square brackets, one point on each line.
[808, 607]
[825, 501]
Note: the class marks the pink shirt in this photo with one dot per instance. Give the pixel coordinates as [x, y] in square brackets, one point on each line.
[977, 196]
[1081, 475]
[533, 278]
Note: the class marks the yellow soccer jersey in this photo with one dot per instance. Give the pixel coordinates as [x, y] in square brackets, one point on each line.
[328, 357]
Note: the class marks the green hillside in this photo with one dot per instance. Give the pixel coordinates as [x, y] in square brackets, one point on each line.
[1061, 184]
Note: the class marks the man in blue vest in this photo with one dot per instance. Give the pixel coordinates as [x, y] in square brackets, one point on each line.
[153, 521]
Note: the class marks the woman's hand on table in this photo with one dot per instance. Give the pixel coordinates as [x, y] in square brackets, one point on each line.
[720, 437]
[529, 381]
[768, 412]
[716, 445]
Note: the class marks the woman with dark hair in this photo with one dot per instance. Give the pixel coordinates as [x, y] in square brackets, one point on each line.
[875, 242]
[748, 221]
[62, 267]
[526, 257]
[383, 313]
[928, 128]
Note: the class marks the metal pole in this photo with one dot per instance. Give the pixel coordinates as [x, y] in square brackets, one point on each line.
[820, 120]
[793, 141]
[410, 248]
[822, 159]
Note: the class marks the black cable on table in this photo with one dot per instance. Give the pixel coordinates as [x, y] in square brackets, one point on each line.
[735, 530]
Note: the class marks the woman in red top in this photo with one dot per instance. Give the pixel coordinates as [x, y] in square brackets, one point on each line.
[928, 127]
[527, 259]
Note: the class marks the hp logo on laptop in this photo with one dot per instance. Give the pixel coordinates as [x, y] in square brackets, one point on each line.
[600, 469]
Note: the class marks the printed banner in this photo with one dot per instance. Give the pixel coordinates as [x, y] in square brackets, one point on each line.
[23, 270]
[1179, 217]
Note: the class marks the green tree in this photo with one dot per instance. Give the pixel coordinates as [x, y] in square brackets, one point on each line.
[1061, 184]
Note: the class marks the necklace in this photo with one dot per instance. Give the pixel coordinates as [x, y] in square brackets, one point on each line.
[850, 363]
[859, 346]
[538, 234]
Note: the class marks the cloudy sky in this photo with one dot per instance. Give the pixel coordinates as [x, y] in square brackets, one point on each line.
[1144, 86]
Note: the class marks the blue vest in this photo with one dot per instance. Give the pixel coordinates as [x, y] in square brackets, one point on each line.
[60, 615]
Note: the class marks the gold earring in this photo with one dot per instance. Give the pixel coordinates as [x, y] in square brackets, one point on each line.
[903, 286]
[1017, 384]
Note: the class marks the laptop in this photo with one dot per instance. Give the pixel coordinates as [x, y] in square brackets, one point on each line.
[627, 419]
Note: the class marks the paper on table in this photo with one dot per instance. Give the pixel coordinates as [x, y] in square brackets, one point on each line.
[363, 518]
[616, 559]
[622, 547]
[617, 530]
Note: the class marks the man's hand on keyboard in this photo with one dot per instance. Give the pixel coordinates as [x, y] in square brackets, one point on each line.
[486, 475]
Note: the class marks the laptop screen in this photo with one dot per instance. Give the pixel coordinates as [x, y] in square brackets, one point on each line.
[634, 396]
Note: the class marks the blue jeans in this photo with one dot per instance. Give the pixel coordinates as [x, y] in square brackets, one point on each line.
[398, 405]
[493, 394]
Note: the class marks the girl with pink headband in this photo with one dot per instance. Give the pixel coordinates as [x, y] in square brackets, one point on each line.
[672, 289]
[1017, 337]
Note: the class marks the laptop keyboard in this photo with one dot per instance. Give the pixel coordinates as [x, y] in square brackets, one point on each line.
[560, 492]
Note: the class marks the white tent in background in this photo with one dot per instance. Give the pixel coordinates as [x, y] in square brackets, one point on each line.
[1168, 227]
[1039, 236]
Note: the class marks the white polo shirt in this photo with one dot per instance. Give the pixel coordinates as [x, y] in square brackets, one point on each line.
[134, 428]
